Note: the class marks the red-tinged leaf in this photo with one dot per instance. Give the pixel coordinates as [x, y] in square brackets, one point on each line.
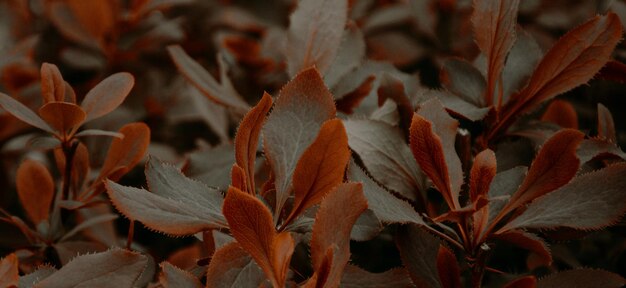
[562, 113]
[463, 80]
[251, 223]
[52, 83]
[247, 140]
[320, 276]
[125, 153]
[448, 268]
[303, 105]
[231, 266]
[9, 275]
[555, 165]
[220, 93]
[606, 126]
[107, 95]
[35, 188]
[62, 116]
[613, 71]
[355, 277]
[68, 25]
[523, 282]
[321, 167]
[571, 62]
[482, 173]
[19, 111]
[582, 278]
[432, 143]
[314, 35]
[386, 156]
[494, 24]
[174, 277]
[97, 16]
[115, 267]
[530, 242]
[335, 218]
[419, 251]
[591, 201]
[238, 178]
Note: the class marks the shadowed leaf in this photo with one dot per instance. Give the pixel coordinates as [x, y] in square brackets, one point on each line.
[231, 266]
[35, 188]
[562, 113]
[107, 95]
[9, 271]
[23, 113]
[582, 278]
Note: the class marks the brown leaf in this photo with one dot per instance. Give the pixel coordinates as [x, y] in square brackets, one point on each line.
[231, 266]
[35, 188]
[107, 95]
[251, 224]
[331, 230]
[523, 282]
[52, 83]
[321, 167]
[562, 113]
[494, 24]
[530, 242]
[303, 105]
[448, 268]
[125, 153]
[247, 140]
[582, 278]
[482, 173]
[97, 16]
[62, 116]
[9, 276]
[314, 34]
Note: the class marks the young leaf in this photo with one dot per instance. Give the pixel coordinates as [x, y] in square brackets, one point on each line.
[419, 252]
[562, 113]
[52, 84]
[591, 201]
[9, 271]
[247, 139]
[251, 224]
[335, 218]
[62, 116]
[482, 173]
[434, 151]
[355, 277]
[494, 24]
[125, 153]
[303, 105]
[448, 268]
[174, 277]
[35, 188]
[231, 266]
[314, 34]
[23, 113]
[115, 267]
[321, 167]
[107, 95]
[582, 278]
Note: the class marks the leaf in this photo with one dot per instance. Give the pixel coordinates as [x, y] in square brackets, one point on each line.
[29, 280]
[251, 224]
[591, 201]
[115, 267]
[461, 78]
[23, 113]
[303, 105]
[582, 278]
[555, 165]
[366, 227]
[107, 95]
[212, 166]
[331, 230]
[204, 81]
[419, 252]
[434, 151]
[529, 242]
[98, 17]
[562, 113]
[247, 139]
[523, 282]
[35, 188]
[456, 105]
[522, 60]
[391, 87]
[52, 83]
[125, 153]
[231, 266]
[482, 173]
[9, 273]
[494, 24]
[321, 167]
[62, 116]
[355, 277]
[174, 277]
[386, 156]
[314, 35]
[448, 268]
[350, 54]
[606, 125]
[96, 132]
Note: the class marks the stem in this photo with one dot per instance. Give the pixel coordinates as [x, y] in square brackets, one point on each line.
[479, 265]
[69, 151]
[445, 237]
[131, 234]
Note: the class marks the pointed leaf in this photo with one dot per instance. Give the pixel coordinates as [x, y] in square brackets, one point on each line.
[62, 116]
[448, 268]
[247, 139]
[23, 113]
[582, 278]
[35, 188]
[107, 95]
[303, 105]
[52, 83]
[116, 267]
[314, 34]
[9, 275]
[333, 223]
[231, 266]
[174, 277]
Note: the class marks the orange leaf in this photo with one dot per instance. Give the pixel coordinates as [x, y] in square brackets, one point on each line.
[562, 113]
[62, 116]
[448, 268]
[321, 167]
[494, 24]
[333, 223]
[35, 188]
[9, 276]
[52, 84]
[96, 16]
[125, 153]
[247, 139]
[238, 178]
[483, 171]
[107, 95]
[251, 224]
